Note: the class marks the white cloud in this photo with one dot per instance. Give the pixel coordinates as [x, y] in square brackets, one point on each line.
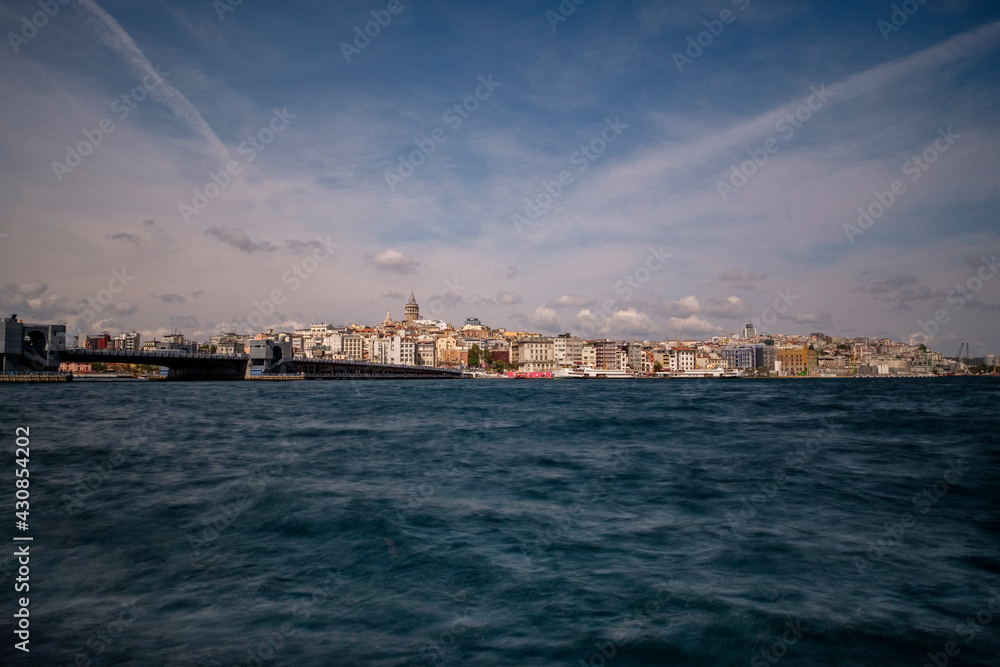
[691, 325]
[393, 261]
[571, 301]
[629, 323]
[546, 320]
[731, 307]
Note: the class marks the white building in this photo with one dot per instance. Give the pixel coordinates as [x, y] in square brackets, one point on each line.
[567, 351]
[535, 354]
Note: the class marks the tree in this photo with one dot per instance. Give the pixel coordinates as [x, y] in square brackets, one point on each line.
[474, 353]
[657, 367]
[97, 367]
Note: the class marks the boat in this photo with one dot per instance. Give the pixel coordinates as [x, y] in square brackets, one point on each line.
[707, 373]
[593, 373]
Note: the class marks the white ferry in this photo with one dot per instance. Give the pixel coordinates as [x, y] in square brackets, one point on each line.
[707, 373]
[593, 373]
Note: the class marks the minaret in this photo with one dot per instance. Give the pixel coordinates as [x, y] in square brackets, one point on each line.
[412, 309]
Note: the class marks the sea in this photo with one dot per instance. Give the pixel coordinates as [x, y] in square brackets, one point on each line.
[503, 522]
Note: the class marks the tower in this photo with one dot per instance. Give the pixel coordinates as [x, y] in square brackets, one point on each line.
[412, 309]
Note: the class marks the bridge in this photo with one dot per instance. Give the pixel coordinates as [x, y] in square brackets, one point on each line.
[37, 349]
[185, 365]
[182, 365]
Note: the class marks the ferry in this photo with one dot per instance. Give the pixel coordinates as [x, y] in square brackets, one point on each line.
[706, 373]
[593, 373]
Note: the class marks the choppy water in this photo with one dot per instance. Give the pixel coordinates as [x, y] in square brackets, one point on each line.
[509, 522]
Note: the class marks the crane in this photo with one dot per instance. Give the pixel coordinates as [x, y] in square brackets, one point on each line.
[962, 367]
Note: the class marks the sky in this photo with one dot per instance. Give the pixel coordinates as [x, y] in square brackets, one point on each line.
[632, 169]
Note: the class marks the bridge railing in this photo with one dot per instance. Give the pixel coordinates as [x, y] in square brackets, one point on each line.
[163, 354]
[151, 355]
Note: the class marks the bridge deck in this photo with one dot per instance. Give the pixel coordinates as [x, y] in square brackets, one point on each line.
[187, 364]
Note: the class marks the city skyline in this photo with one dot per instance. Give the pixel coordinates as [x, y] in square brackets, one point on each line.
[640, 170]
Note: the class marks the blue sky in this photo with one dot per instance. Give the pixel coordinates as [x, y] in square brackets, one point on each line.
[664, 224]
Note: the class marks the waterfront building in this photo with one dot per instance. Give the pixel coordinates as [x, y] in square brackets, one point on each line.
[352, 346]
[796, 360]
[425, 353]
[610, 355]
[535, 354]
[567, 351]
[749, 356]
